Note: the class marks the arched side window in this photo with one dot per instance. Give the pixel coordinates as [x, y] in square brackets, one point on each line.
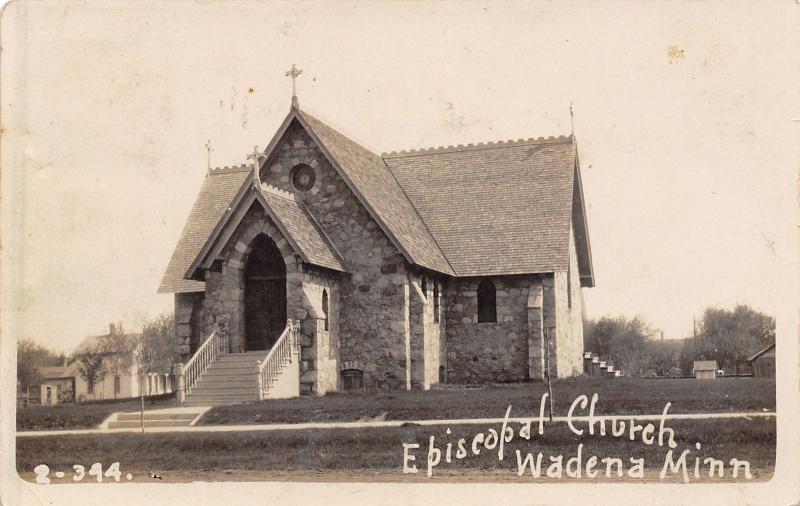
[435, 302]
[325, 307]
[487, 302]
[424, 287]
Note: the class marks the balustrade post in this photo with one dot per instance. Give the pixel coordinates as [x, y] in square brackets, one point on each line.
[259, 381]
[181, 383]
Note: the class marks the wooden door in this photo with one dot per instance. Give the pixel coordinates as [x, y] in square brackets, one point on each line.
[264, 295]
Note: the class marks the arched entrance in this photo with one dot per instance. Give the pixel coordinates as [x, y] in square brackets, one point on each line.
[264, 295]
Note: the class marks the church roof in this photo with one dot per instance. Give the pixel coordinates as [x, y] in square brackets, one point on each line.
[368, 177]
[487, 209]
[295, 222]
[216, 193]
[496, 208]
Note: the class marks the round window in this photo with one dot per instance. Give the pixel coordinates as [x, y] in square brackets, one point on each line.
[304, 177]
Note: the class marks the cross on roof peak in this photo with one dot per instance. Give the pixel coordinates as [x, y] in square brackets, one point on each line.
[294, 73]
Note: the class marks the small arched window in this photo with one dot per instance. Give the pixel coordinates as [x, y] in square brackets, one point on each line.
[435, 302]
[487, 302]
[325, 307]
[424, 287]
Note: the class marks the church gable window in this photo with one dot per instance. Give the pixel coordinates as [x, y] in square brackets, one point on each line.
[487, 302]
[303, 177]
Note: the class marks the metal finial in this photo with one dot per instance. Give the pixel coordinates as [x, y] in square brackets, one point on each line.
[294, 73]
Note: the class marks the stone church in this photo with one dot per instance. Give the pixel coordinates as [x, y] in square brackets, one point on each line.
[459, 264]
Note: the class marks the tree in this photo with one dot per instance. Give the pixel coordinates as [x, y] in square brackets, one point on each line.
[730, 337]
[31, 356]
[121, 351]
[158, 336]
[91, 365]
[620, 341]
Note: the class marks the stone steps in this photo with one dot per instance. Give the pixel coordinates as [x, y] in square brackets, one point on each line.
[151, 419]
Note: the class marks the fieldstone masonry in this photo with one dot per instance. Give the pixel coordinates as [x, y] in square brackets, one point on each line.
[381, 318]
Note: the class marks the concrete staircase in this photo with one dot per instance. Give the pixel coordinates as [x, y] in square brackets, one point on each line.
[230, 379]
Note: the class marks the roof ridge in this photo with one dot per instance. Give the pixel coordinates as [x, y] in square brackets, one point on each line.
[479, 146]
[232, 168]
[266, 187]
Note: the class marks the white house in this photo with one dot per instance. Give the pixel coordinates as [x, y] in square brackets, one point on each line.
[117, 383]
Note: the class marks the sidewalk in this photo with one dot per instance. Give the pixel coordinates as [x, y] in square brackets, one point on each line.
[389, 423]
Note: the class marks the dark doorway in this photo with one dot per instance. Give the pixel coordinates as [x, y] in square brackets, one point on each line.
[264, 295]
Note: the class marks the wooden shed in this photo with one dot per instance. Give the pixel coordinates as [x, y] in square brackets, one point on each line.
[705, 369]
[763, 362]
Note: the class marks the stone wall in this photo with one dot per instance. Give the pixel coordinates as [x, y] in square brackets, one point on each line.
[372, 300]
[320, 351]
[189, 329]
[569, 317]
[487, 352]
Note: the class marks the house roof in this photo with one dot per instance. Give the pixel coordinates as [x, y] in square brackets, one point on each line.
[487, 209]
[496, 208]
[90, 342]
[55, 372]
[216, 193]
[295, 222]
[705, 365]
[761, 352]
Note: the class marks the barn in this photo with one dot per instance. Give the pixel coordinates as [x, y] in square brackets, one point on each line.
[763, 362]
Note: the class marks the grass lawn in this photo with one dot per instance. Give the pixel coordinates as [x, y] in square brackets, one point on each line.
[371, 453]
[617, 396]
[84, 415]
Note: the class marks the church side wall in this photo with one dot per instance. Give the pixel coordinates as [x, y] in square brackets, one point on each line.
[569, 318]
[372, 300]
[487, 352]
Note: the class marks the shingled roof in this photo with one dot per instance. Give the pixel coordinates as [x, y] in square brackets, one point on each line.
[487, 209]
[292, 218]
[217, 192]
[368, 177]
[498, 208]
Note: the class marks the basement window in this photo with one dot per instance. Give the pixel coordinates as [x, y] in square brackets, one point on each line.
[352, 380]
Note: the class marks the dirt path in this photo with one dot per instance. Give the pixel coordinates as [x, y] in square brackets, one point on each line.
[760, 475]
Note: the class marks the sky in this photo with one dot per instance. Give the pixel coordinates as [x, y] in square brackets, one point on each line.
[683, 116]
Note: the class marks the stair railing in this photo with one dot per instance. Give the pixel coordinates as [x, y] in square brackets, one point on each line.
[281, 354]
[215, 345]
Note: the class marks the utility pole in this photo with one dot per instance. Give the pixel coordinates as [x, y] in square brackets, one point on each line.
[547, 370]
[141, 389]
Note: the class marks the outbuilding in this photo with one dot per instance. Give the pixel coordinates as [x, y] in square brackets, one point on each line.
[763, 362]
[705, 369]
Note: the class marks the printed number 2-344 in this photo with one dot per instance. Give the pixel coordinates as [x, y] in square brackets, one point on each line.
[42, 471]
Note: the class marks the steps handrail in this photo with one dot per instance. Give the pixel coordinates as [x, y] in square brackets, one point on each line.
[214, 346]
[277, 357]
